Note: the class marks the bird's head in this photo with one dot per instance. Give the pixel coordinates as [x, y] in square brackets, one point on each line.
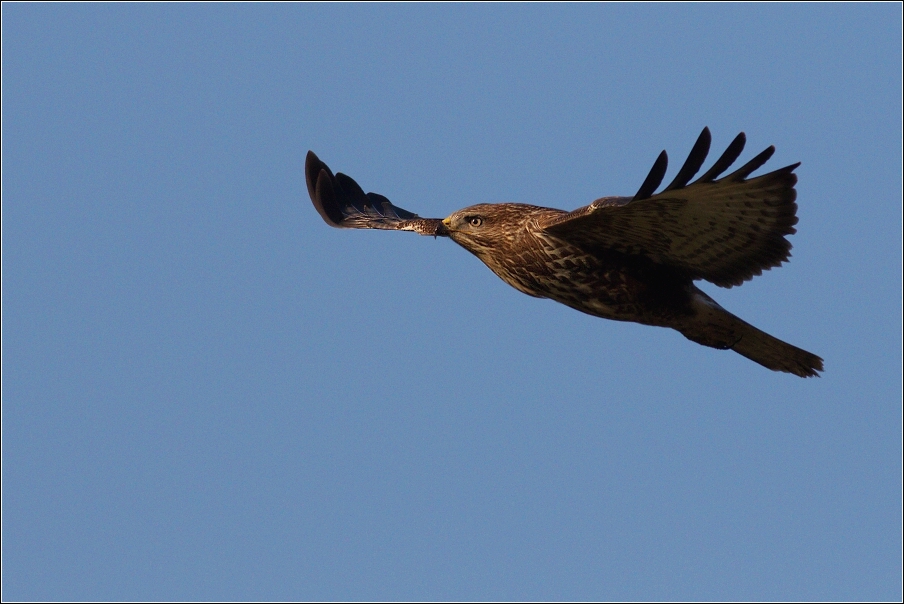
[487, 228]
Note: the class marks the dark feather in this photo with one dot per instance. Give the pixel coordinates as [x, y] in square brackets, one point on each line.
[731, 154]
[748, 168]
[693, 162]
[320, 188]
[654, 178]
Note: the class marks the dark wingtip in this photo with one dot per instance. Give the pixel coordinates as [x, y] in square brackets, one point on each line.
[312, 167]
[654, 178]
[693, 162]
[731, 154]
[342, 203]
[320, 187]
[745, 170]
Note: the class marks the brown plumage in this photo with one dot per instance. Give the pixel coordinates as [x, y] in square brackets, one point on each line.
[623, 258]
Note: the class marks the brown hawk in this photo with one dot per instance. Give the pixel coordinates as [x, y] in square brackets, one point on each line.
[623, 258]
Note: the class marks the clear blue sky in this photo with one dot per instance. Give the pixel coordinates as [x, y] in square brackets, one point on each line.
[210, 394]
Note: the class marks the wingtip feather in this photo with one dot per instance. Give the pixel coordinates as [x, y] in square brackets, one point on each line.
[324, 199]
[728, 157]
[748, 168]
[694, 161]
[654, 178]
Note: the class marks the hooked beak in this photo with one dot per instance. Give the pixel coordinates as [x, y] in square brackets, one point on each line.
[448, 223]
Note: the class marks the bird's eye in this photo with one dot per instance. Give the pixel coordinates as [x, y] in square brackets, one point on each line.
[475, 221]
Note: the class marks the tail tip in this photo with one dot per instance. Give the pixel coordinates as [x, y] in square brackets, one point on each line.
[810, 367]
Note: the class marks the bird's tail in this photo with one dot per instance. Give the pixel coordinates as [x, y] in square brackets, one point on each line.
[714, 326]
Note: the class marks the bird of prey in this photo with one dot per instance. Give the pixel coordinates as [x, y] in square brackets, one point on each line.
[623, 258]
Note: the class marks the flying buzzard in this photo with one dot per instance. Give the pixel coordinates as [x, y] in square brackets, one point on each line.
[623, 258]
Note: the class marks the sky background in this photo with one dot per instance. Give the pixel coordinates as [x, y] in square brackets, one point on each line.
[209, 394]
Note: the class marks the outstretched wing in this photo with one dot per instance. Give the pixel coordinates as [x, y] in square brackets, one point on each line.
[725, 231]
[343, 204]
